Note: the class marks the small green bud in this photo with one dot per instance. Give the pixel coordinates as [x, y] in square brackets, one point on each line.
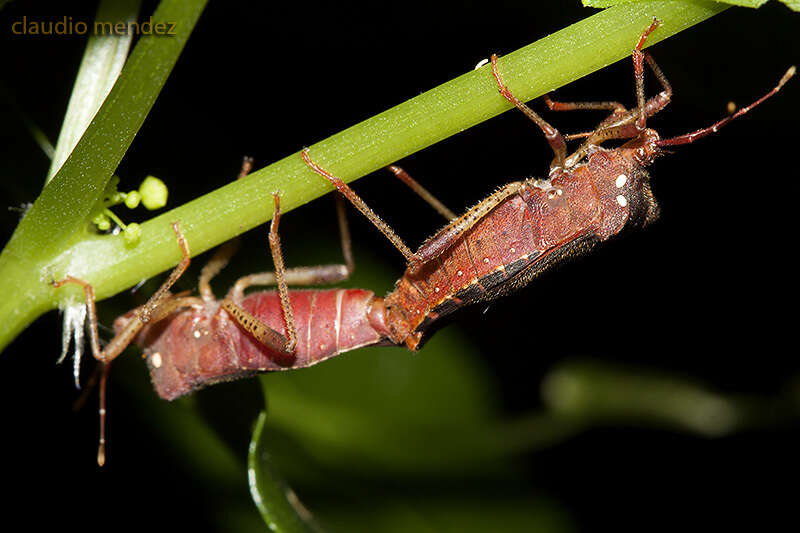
[132, 199]
[114, 199]
[102, 222]
[132, 233]
[154, 193]
[111, 188]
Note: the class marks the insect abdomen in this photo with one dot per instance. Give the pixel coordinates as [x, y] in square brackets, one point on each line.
[328, 322]
[200, 347]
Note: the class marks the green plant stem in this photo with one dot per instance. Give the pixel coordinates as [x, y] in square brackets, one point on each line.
[111, 266]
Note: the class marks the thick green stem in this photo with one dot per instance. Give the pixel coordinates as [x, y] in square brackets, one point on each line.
[112, 266]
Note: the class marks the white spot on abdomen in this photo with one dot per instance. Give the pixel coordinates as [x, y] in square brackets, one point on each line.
[622, 201]
[156, 360]
[621, 180]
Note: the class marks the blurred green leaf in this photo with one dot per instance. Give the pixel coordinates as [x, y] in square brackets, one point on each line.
[277, 503]
[506, 512]
[598, 393]
[387, 409]
[792, 4]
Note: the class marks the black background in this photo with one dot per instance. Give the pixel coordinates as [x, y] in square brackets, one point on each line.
[706, 292]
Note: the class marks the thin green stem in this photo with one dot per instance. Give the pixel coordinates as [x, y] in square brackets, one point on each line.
[112, 266]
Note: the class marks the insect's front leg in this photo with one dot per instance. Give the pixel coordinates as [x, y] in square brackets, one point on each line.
[623, 124]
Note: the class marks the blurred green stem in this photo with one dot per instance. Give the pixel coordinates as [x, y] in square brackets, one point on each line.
[49, 243]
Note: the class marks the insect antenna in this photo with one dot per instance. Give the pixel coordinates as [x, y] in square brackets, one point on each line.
[693, 136]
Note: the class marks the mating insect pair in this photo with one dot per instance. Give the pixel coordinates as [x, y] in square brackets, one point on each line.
[499, 245]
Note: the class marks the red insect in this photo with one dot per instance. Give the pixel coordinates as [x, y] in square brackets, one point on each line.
[526, 227]
[499, 245]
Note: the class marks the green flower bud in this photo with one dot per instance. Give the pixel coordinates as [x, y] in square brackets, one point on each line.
[154, 193]
[132, 233]
[132, 199]
[102, 222]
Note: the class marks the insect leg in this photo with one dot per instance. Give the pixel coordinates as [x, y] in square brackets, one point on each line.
[693, 136]
[662, 99]
[638, 69]
[616, 109]
[143, 315]
[582, 106]
[359, 204]
[554, 138]
[623, 124]
[403, 176]
[651, 106]
[223, 254]
[258, 329]
[311, 275]
[283, 289]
